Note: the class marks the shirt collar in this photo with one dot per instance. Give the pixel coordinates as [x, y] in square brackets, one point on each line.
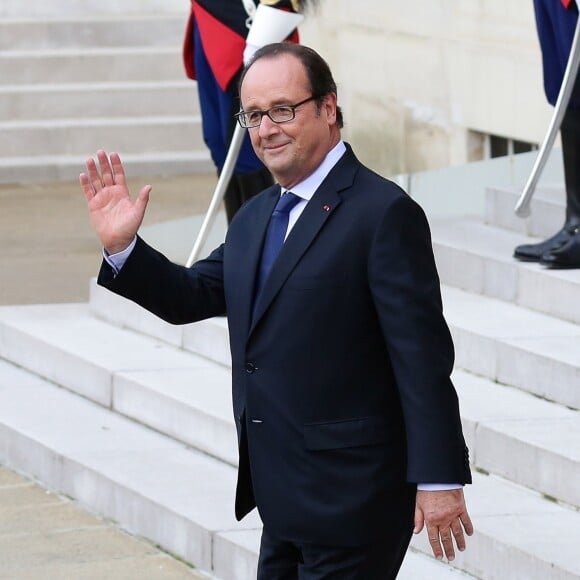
[306, 188]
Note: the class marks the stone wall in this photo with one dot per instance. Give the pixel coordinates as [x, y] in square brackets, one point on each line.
[417, 79]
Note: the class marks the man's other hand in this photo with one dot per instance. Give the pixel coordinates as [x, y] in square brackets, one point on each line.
[445, 516]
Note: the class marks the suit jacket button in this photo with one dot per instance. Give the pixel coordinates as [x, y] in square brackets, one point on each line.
[250, 367]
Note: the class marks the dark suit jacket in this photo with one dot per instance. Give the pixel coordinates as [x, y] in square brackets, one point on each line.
[341, 389]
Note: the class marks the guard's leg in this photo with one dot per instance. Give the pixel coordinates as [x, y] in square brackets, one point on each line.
[567, 255]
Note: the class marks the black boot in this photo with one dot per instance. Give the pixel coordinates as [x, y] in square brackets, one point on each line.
[252, 183]
[534, 252]
[567, 255]
[570, 133]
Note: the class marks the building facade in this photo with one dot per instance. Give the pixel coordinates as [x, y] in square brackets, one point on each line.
[433, 83]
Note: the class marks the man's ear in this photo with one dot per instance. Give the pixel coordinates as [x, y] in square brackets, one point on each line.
[330, 105]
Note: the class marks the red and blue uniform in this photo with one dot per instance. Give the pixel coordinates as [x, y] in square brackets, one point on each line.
[213, 55]
[556, 22]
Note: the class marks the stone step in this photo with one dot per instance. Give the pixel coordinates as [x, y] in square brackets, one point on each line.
[71, 83]
[81, 353]
[67, 167]
[122, 64]
[503, 342]
[547, 210]
[74, 9]
[84, 136]
[108, 100]
[207, 338]
[102, 30]
[192, 405]
[478, 258]
[184, 503]
[522, 438]
[188, 396]
[515, 346]
[169, 389]
[151, 485]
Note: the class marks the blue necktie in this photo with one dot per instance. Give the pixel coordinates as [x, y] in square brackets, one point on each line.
[275, 236]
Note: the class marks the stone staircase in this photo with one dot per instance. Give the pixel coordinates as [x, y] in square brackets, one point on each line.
[75, 77]
[132, 416]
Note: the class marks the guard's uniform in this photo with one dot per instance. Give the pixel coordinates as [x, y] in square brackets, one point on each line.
[556, 23]
[213, 55]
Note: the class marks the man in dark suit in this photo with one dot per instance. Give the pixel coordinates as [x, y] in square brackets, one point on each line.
[349, 430]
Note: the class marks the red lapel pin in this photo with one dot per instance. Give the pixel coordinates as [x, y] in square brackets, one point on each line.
[326, 207]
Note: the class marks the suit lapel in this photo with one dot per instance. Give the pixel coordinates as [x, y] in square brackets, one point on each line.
[246, 253]
[318, 210]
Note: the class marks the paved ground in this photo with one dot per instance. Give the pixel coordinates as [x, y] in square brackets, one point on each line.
[48, 253]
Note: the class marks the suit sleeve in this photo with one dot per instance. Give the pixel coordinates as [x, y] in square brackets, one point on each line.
[406, 292]
[176, 294]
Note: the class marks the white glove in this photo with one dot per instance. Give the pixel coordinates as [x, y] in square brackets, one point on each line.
[249, 52]
[269, 25]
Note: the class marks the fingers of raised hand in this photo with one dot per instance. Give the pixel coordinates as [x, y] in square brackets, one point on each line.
[91, 180]
[108, 172]
[118, 171]
[107, 176]
[86, 186]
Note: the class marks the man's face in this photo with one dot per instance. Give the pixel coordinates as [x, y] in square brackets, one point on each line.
[294, 149]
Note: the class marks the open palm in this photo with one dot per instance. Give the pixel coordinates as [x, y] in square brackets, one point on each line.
[114, 215]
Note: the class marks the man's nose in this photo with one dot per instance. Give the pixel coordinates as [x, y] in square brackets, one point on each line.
[267, 126]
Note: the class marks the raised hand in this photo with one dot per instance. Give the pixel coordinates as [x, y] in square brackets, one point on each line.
[114, 215]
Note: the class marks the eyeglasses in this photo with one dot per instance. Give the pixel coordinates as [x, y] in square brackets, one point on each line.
[277, 114]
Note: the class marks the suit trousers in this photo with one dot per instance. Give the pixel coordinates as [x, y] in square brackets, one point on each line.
[379, 560]
[281, 560]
